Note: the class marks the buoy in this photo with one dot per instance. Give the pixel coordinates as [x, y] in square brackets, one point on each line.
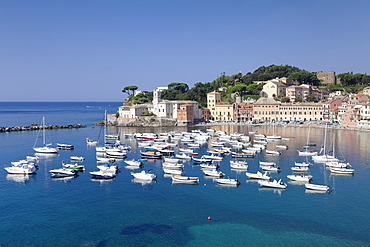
[209, 218]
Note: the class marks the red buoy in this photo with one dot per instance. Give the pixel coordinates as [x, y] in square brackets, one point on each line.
[209, 218]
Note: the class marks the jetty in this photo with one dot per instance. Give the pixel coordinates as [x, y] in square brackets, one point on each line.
[38, 127]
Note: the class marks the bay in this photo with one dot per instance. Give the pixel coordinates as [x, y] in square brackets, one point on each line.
[41, 211]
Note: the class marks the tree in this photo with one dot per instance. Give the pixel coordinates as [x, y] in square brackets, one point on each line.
[183, 87]
[305, 77]
[128, 89]
[254, 89]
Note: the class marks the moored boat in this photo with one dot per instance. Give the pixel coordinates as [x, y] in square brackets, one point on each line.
[317, 187]
[73, 166]
[301, 177]
[144, 175]
[184, 179]
[228, 181]
[103, 174]
[63, 172]
[259, 175]
[242, 165]
[273, 184]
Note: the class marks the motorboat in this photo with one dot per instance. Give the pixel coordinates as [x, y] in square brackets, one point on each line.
[202, 160]
[185, 179]
[337, 164]
[273, 152]
[171, 160]
[91, 142]
[65, 146]
[266, 163]
[270, 168]
[242, 155]
[208, 166]
[73, 166]
[151, 155]
[283, 147]
[212, 157]
[228, 181]
[137, 163]
[213, 173]
[273, 184]
[172, 171]
[301, 177]
[32, 158]
[302, 164]
[242, 165]
[77, 158]
[259, 175]
[172, 165]
[317, 187]
[63, 172]
[116, 154]
[103, 174]
[105, 159]
[342, 170]
[307, 153]
[108, 168]
[183, 156]
[144, 175]
[300, 168]
[22, 168]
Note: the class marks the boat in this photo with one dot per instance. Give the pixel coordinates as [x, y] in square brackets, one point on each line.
[171, 160]
[273, 152]
[172, 165]
[342, 170]
[202, 160]
[108, 168]
[105, 160]
[208, 166]
[318, 187]
[137, 163]
[213, 173]
[325, 157]
[242, 165]
[273, 184]
[77, 158]
[144, 175]
[63, 172]
[242, 155]
[73, 166]
[300, 168]
[185, 179]
[212, 157]
[103, 174]
[22, 168]
[284, 147]
[259, 175]
[337, 164]
[91, 142]
[116, 154]
[228, 181]
[301, 177]
[302, 164]
[307, 152]
[267, 163]
[172, 171]
[65, 146]
[151, 155]
[32, 158]
[46, 147]
[183, 156]
[272, 168]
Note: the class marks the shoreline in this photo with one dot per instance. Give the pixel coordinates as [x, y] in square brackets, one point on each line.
[39, 127]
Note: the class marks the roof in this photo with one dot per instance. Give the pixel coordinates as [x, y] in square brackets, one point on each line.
[266, 101]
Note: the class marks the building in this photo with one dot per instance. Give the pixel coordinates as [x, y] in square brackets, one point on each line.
[266, 109]
[243, 112]
[330, 110]
[219, 112]
[301, 112]
[185, 114]
[327, 77]
[274, 89]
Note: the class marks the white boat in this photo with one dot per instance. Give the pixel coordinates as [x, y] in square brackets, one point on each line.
[116, 154]
[63, 172]
[284, 147]
[273, 152]
[91, 142]
[171, 160]
[301, 177]
[306, 153]
[228, 181]
[24, 168]
[208, 166]
[342, 170]
[212, 157]
[77, 158]
[259, 175]
[266, 163]
[317, 187]
[213, 173]
[183, 156]
[185, 179]
[172, 171]
[105, 159]
[242, 165]
[32, 158]
[322, 158]
[337, 164]
[134, 163]
[103, 174]
[273, 184]
[172, 165]
[65, 146]
[300, 168]
[302, 164]
[270, 168]
[144, 175]
[73, 166]
[108, 168]
[193, 145]
[46, 147]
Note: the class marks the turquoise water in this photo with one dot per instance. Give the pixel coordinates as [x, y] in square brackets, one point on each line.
[41, 211]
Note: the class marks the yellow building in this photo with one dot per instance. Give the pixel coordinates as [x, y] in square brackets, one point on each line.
[266, 109]
[219, 112]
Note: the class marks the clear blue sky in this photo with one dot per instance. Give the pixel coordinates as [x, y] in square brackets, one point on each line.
[89, 50]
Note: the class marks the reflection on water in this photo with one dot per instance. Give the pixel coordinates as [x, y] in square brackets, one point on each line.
[21, 178]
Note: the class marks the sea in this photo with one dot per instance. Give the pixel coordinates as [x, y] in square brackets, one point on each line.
[39, 210]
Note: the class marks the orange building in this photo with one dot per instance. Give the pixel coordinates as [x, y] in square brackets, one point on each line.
[185, 114]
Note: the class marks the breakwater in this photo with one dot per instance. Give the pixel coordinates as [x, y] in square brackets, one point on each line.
[39, 127]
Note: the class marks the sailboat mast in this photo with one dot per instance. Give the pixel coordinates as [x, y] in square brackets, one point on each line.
[43, 131]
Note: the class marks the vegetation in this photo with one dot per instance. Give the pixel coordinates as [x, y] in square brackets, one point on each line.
[244, 86]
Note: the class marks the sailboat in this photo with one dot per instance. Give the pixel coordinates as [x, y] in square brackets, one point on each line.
[306, 152]
[324, 157]
[45, 147]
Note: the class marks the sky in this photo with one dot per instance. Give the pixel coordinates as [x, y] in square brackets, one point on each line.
[89, 50]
